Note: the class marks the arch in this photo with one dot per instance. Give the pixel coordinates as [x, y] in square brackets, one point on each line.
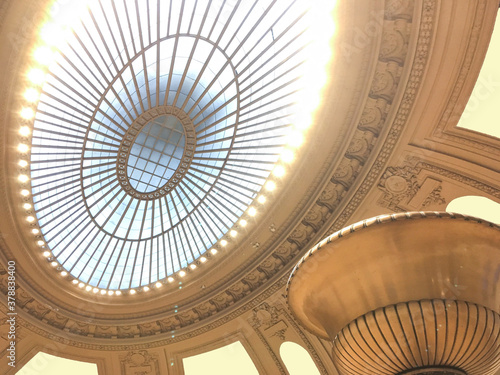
[47, 364]
[297, 360]
[480, 114]
[227, 360]
[477, 206]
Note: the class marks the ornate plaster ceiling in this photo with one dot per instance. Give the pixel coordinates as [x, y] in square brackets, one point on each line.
[366, 108]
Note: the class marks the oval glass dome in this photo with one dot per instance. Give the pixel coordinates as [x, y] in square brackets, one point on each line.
[157, 126]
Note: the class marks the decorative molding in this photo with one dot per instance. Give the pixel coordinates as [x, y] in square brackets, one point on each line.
[267, 315]
[446, 128]
[404, 191]
[403, 111]
[139, 362]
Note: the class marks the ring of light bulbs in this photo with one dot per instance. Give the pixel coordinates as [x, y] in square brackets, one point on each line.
[35, 77]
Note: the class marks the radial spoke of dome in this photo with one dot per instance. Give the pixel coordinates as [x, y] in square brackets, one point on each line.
[214, 48]
[51, 189]
[193, 204]
[220, 140]
[69, 230]
[74, 128]
[271, 83]
[275, 40]
[214, 216]
[90, 89]
[131, 223]
[252, 192]
[220, 130]
[65, 168]
[118, 23]
[134, 267]
[65, 97]
[65, 175]
[230, 58]
[174, 53]
[125, 260]
[90, 273]
[81, 229]
[62, 214]
[56, 204]
[97, 50]
[58, 109]
[190, 58]
[99, 171]
[170, 245]
[113, 210]
[145, 68]
[245, 174]
[78, 138]
[109, 262]
[106, 204]
[163, 230]
[90, 69]
[186, 236]
[248, 67]
[264, 131]
[203, 224]
[129, 28]
[223, 211]
[274, 67]
[105, 187]
[193, 167]
[111, 34]
[67, 255]
[209, 221]
[157, 78]
[225, 189]
[215, 123]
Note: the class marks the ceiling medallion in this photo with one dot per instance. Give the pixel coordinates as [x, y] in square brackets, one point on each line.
[168, 156]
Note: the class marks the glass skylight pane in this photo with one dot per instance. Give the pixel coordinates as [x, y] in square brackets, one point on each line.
[152, 149]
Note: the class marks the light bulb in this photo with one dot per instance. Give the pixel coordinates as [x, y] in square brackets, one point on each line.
[270, 186]
[22, 178]
[279, 171]
[31, 95]
[36, 76]
[23, 147]
[24, 130]
[44, 55]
